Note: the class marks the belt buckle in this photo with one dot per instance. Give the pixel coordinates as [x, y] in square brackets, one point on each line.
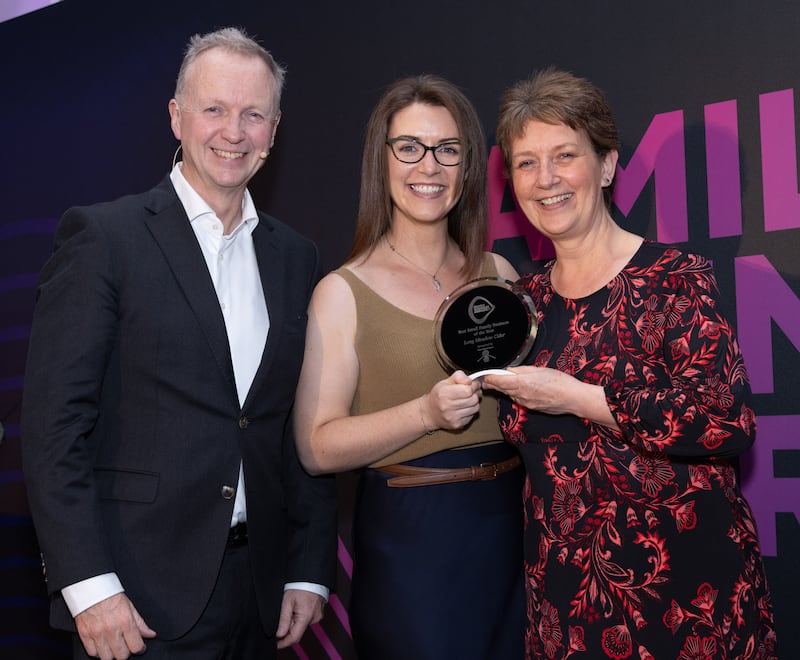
[237, 535]
[494, 471]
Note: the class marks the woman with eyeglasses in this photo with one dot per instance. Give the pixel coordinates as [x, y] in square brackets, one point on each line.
[437, 526]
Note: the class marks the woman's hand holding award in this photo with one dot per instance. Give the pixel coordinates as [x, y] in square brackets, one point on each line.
[485, 326]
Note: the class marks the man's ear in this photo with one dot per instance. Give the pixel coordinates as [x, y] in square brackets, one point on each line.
[175, 118]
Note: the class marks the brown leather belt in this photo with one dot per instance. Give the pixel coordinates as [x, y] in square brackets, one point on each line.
[409, 475]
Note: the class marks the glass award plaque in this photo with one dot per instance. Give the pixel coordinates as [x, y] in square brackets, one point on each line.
[484, 326]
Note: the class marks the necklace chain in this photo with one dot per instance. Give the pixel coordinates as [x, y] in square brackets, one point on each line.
[436, 283]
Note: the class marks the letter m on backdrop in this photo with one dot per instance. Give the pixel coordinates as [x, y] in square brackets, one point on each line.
[661, 153]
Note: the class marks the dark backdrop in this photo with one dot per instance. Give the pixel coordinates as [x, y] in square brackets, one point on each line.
[703, 93]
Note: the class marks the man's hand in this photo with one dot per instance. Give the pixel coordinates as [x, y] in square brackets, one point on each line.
[112, 629]
[299, 610]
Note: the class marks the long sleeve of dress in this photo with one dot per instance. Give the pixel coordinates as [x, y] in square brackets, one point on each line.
[680, 384]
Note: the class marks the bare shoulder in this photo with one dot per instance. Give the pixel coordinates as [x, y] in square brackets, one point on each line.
[331, 321]
[333, 305]
[504, 267]
[333, 289]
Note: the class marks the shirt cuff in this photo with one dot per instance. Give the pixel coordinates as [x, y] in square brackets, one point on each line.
[318, 589]
[82, 595]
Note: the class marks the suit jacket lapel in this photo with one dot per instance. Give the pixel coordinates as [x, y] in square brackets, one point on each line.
[173, 233]
[273, 281]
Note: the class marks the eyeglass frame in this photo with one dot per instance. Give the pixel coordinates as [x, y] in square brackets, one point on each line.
[425, 149]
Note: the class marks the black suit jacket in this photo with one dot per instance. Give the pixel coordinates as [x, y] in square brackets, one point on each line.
[131, 426]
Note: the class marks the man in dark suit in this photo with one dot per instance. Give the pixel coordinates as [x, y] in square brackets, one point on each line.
[158, 448]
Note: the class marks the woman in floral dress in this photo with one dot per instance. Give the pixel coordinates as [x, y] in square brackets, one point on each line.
[629, 414]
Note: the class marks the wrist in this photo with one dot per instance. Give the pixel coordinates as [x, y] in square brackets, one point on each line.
[425, 427]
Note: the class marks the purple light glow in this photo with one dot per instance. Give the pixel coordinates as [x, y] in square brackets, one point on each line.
[12, 8]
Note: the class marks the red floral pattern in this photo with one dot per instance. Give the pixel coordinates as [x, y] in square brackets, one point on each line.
[638, 542]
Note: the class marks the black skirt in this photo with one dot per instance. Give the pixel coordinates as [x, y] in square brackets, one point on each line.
[438, 570]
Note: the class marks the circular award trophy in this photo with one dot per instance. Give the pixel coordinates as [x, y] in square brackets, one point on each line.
[484, 326]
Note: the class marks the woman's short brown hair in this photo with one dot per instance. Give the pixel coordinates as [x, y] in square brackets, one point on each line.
[552, 96]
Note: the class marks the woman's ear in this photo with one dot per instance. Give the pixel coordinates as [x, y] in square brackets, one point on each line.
[609, 167]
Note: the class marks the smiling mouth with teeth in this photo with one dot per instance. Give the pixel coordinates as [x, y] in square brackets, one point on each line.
[232, 155]
[426, 189]
[554, 200]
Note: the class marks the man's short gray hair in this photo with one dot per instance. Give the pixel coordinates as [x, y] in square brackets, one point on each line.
[232, 40]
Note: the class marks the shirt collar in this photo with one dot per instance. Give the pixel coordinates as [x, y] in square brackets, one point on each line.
[196, 207]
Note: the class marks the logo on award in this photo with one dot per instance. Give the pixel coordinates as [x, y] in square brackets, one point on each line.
[480, 310]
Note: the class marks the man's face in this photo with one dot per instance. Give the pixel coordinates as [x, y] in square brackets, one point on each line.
[225, 120]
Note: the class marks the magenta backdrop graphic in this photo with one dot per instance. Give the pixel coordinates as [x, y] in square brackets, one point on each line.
[707, 106]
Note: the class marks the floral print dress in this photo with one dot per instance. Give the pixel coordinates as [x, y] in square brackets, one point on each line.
[638, 543]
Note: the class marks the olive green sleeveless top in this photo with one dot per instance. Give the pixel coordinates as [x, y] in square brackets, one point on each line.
[398, 363]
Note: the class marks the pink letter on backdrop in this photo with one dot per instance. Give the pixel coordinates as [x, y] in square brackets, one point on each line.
[661, 152]
[761, 297]
[766, 493]
[779, 161]
[722, 170]
[512, 223]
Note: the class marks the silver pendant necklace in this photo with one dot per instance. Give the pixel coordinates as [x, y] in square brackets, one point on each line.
[436, 283]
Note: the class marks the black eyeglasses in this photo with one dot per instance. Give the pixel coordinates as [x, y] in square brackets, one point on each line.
[408, 150]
